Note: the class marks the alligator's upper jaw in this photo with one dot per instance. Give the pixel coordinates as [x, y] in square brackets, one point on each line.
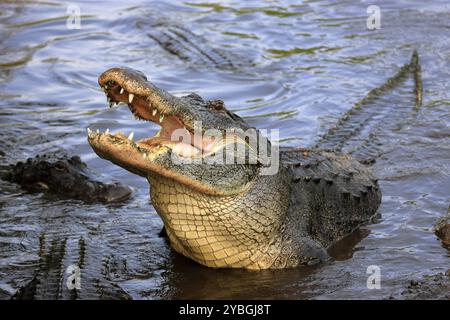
[131, 87]
[147, 103]
[143, 110]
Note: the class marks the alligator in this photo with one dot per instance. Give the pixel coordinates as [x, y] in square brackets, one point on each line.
[231, 214]
[442, 229]
[64, 176]
[190, 47]
[429, 287]
[96, 266]
[358, 131]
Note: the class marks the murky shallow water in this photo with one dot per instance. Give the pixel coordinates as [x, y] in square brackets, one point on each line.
[308, 63]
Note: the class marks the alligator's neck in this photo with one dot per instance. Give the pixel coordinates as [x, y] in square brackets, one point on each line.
[244, 230]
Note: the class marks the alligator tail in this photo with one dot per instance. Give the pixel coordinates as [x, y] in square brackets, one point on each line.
[418, 86]
[384, 108]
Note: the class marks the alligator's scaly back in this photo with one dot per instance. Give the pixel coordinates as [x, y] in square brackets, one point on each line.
[332, 195]
[359, 130]
[65, 176]
[191, 47]
[54, 278]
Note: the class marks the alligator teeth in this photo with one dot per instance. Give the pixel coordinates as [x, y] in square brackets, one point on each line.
[121, 90]
[130, 97]
[154, 112]
[107, 131]
[131, 136]
[136, 117]
[98, 131]
[89, 131]
[161, 118]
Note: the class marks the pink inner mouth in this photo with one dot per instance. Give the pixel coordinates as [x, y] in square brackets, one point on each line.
[172, 127]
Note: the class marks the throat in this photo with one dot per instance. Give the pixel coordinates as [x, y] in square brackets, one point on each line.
[216, 231]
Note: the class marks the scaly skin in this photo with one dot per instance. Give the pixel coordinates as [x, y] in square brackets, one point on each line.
[190, 47]
[64, 176]
[442, 229]
[282, 221]
[358, 131]
[231, 215]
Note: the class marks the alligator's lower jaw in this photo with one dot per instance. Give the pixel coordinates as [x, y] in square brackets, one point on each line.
[105, 140]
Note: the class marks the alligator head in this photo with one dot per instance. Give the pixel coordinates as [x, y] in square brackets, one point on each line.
[192, 130]
[68, 177]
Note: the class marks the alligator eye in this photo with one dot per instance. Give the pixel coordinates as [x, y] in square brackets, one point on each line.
[60, 166]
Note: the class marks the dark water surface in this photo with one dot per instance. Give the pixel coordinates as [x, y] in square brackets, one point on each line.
[304, 65]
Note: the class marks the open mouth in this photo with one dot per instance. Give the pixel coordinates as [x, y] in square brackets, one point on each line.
[172, 134]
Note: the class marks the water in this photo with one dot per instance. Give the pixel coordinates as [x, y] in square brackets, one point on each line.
[309, 62]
